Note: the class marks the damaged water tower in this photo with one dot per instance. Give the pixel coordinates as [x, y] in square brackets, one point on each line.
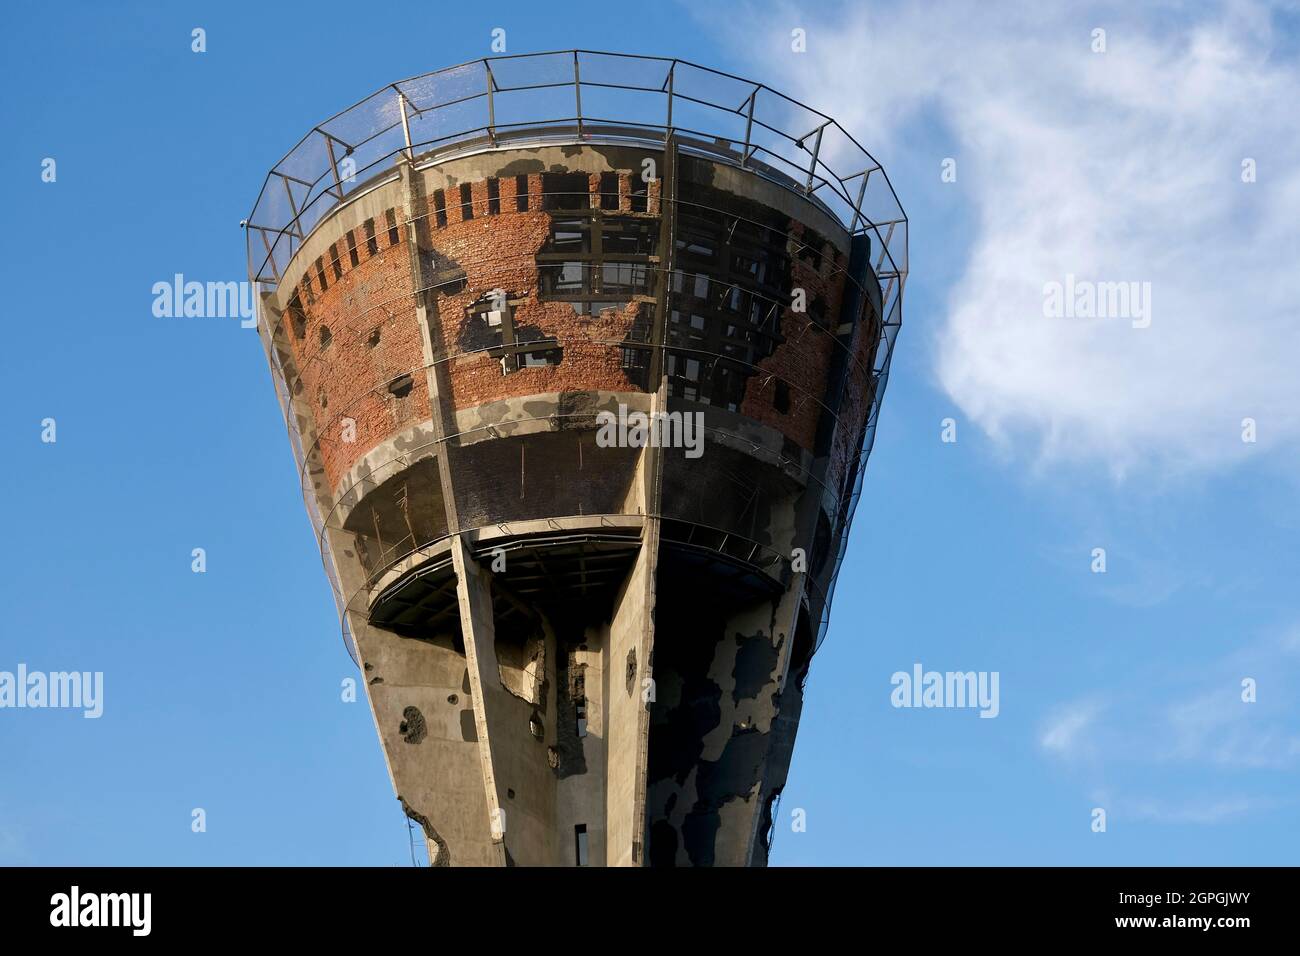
[581, 356]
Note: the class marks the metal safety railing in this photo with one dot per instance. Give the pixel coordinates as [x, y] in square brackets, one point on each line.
[577, 95]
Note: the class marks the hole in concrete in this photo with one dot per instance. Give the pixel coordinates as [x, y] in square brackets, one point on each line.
[535, 727]
[631, 670]
[374, 337]
[453, 699]
[326, 336]
[412, 727]
[510, 793]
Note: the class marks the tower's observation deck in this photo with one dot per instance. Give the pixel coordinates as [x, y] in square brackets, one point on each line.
[580, 644]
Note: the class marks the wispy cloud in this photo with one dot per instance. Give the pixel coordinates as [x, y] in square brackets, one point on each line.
[1064, 733]
[1123, 165]
[1185, 734]
[1203, 811]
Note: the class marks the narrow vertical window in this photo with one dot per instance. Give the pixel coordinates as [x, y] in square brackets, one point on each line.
[521, 193]
[494, 196]
[609, 190]
[352, 249]
[580, 843]
[466, 203]
[391, 219]
[440, 208]
[372, 246]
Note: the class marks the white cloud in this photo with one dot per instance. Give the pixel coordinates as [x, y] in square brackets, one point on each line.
[1115, 166]
[1063, 734]
[1203, 811]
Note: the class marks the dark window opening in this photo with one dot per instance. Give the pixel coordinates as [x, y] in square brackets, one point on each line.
[569, 235]
[326, 336]
[640, 195]
[352, 249]
[390, 217]
[372, 247]
[374, 337]
[334, 261]
[781, 400]
[297, 319]
[628, 237]
[466, 203]
[320, 273]
[401, 386]
[521, 193]
[609, 190]
[439, 208]
[306, 287]
[494, 196]
[580, 843]
[539, 358]
[566, 191]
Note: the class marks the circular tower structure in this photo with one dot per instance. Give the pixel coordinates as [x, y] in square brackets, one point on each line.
[581, 356]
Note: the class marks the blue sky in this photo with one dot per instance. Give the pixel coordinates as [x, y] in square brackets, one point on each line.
[1119, 690]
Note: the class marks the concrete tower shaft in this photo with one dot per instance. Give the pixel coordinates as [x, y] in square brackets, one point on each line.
[581, 408]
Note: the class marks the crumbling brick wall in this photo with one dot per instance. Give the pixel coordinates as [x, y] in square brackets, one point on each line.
[357, 344]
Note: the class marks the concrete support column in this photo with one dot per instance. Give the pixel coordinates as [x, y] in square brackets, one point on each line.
[474, 594]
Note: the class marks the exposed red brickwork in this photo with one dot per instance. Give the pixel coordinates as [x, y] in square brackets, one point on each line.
[348, 379]
[499, 253]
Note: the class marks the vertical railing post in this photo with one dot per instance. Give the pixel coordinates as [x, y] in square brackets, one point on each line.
[329, 146]
[492, 117]
[857, 207]
[406, 126]
[577, 91]
[812, 167]
[749, 125]
[668, 125]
